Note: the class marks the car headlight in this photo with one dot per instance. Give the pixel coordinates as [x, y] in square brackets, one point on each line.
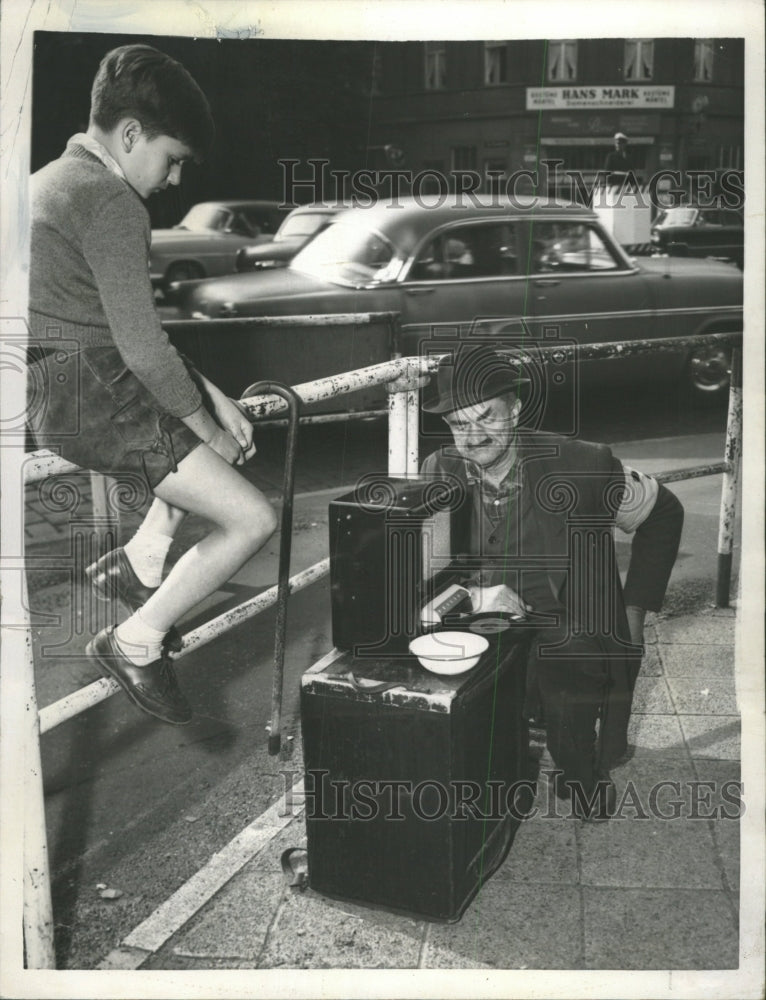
[655, 236]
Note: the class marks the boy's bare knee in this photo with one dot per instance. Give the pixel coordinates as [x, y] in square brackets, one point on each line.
[262, 522]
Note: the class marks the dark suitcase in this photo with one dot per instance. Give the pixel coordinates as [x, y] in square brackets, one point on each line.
[387, 771]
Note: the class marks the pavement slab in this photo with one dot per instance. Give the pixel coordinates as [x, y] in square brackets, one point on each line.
[680, 660]
[512, 925]
[713, 629]
[651, 695]
[642, 848]
[651, 665]
[728, 799]
[716, 737]
[659, 929]
[237, 926]
[702, 696]
[544, 852]
[310, 933]
[655, 732]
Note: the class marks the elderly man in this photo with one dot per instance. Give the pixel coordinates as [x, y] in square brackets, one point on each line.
[543, 513]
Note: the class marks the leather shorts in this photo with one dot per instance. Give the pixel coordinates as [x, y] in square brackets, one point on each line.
[88, 407]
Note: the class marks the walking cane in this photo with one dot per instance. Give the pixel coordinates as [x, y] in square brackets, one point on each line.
[293, 401]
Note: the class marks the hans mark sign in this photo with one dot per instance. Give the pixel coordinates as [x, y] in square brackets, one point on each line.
[623, 96]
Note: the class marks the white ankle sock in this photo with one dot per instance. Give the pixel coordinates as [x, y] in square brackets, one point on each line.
[139, 642]
[147, 551]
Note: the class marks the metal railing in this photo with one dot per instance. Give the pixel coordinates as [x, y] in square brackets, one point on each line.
[402, 378]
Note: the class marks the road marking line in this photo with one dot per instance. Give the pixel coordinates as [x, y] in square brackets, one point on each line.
[168, 918]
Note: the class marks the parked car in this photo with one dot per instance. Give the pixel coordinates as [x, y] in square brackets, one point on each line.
[206, 241]
[301, 225]
[532, 271]
[700, 232]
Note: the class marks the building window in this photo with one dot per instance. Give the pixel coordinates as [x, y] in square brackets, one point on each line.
[703, 60]
[436, 66]
[463, 157]
[562, 61]
[495, 63]
[639, 58]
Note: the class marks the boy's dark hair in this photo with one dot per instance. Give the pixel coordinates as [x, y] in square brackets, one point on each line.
[142, 82]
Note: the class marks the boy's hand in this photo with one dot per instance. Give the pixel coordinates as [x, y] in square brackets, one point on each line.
[233, 418]
[500, 598]
[224, 444]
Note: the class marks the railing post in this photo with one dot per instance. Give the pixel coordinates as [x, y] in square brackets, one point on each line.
[403, 422]
[106, 521]
[38, 905]
[732, 456]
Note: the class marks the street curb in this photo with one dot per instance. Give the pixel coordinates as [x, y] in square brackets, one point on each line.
[150, 935]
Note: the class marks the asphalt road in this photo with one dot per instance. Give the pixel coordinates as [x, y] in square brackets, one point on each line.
[139, 806]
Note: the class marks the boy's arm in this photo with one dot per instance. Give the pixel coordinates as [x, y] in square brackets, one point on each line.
[116, 248]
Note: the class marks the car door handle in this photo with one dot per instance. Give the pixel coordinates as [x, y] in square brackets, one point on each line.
[547, 282]
[420, 290]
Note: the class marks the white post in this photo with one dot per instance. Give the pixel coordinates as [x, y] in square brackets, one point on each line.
[106, 522]
[403, 422]
[729, 487]
[38, 906]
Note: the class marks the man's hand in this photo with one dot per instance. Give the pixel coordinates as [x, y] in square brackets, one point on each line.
[500, 598]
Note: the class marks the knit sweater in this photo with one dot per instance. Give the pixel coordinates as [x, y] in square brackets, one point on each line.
[89, 274]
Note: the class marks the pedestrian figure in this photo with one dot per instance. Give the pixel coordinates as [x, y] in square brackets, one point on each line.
[619, 163]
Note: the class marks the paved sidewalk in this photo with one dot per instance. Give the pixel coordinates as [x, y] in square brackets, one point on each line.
[639, 892]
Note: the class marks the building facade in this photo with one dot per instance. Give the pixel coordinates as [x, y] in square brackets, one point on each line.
[499, 107]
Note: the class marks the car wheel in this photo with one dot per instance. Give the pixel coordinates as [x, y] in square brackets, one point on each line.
[183, 270]
[709, 372]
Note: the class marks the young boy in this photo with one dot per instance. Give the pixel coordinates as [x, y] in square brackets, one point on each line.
[139, 412]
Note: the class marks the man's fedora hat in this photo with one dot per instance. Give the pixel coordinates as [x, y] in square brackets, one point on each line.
[621, 136]
[473, 375]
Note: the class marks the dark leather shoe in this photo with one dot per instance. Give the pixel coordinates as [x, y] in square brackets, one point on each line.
[113, 578]
[153, 688]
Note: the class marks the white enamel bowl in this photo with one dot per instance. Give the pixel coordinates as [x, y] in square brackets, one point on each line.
[449, 652]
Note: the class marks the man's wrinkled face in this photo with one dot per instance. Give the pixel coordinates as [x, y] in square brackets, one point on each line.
[483, 432]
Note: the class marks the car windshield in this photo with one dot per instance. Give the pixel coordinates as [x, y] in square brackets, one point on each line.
[677, 217]
[201, 217]
[302, 225]
[348, 255]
